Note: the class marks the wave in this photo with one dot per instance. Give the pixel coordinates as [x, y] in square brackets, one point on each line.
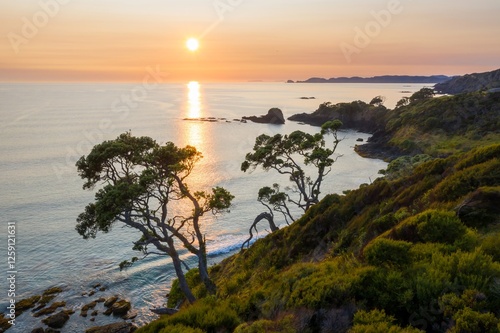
[228, 243]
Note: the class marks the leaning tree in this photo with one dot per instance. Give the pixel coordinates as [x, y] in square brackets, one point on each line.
[144, 187]
[290, 155]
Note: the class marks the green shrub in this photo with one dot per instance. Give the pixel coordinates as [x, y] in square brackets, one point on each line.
[162, 327]
[363, 317]
[470, 321]
[264, 326]
[491, 246]
[377, 321]
[452, 303]
[478, 156]
[440, 227]
[383, 288]
[383, 251]
[384, 223]
[207, 315]
[324, 289]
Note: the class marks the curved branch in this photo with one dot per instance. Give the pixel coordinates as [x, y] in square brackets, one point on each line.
[260, 217]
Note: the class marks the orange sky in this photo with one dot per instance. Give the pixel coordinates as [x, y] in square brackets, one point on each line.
[241, 40]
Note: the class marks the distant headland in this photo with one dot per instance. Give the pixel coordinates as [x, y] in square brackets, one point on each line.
[379, 79]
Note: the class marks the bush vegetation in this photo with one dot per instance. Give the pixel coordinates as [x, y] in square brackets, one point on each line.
[417, 252]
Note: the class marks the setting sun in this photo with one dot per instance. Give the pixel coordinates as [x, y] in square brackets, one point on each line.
[192, 44]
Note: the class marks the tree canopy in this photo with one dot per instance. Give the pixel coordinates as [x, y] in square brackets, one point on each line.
[290, 155]
[141, 180]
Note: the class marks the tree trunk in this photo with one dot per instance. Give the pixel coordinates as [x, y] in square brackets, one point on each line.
[181, 277]
[203, 268]
[259, 218]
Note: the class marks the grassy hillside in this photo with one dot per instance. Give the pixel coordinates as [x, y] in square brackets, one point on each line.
[438, 126]
[417, 250]
[470, 83]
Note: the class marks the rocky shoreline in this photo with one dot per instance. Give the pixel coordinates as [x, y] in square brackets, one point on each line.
[54, 311]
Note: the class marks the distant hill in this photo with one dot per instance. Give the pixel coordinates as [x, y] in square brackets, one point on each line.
[380, 79]
[470, 83]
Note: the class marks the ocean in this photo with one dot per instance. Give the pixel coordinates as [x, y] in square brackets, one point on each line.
[46, 127]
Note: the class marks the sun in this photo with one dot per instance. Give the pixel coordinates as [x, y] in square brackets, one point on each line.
[192, 44]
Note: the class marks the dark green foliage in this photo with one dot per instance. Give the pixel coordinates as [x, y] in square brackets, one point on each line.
[264, 326]
[290, 155]
[481, 207]
[383, 252]
[422, 95]
[139, 179]
[470, 321]
[491, 245]
[444, 125]
[206, 315]
[377, 321]
[440, 227]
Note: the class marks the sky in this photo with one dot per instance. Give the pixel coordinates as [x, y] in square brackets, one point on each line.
[245, 40]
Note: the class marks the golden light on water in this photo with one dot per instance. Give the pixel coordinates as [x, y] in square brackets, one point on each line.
[194, 100]
[194, 110]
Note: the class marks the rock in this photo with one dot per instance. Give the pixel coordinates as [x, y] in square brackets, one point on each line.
[360, 140]
[108, 312]
[102, 289]
[38, 330]
[100, 300]
[273, 116]
[50, 330]
[164, 311]
[91, 293]
[121, 307]
[94, 313]
[51, 309]
[89, 306]
[56, 321]
[130, 315]
[53, 291]
[113, 328]
[26, 304]
[110, 301]
[4, 323]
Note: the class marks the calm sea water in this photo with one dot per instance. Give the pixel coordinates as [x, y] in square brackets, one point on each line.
[45, 128]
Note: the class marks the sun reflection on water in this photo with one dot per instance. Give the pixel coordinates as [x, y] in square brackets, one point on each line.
[193, 133]
[194, 99]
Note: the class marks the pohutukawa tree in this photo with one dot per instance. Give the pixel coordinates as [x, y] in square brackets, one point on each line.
[140, 180]
[289, 155]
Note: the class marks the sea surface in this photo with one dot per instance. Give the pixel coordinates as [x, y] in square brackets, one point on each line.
[45, 128]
